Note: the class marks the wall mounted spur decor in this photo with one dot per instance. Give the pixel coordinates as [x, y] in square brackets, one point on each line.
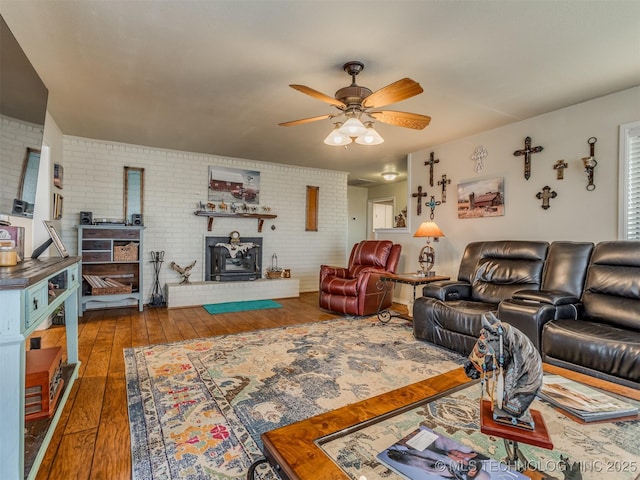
[590, 163]
[527, 151]
[545, 195]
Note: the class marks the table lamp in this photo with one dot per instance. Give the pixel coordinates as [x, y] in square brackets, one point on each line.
[427, 254]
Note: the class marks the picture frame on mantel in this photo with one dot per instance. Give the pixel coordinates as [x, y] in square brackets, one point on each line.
[231, 185]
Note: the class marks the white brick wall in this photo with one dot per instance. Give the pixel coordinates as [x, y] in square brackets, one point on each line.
[174, 184]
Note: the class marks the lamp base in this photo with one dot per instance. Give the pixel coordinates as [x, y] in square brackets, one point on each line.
[426, 274]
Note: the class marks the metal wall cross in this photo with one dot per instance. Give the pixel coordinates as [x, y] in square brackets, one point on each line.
[527, 151]
[444, 182]
[419, 196]
[545, 195]
[560, 165]
[432, 204]
[431, 162]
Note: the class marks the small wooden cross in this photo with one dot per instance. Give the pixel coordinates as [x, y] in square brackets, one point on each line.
[527, 151]
[431, 162]
[419, 196]
[444, 182]
[560, 166]
[545, 195]
[432, 204]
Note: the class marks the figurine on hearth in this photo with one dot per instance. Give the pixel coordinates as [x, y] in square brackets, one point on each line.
[510, 369]
[184, 272]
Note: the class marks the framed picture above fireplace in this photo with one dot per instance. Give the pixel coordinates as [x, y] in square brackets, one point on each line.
[229, 185]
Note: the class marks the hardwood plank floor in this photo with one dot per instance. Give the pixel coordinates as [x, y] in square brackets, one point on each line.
[91, 440]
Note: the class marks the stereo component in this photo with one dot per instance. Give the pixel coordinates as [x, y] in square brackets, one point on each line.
[86, 218]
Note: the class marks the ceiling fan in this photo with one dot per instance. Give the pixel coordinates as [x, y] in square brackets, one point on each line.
[355, 102]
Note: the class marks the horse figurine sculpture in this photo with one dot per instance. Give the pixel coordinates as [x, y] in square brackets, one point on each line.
[510, 368]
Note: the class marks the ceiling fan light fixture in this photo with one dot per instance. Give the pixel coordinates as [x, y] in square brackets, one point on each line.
[337, 139]
[390, 176]
[371, 137]
[353, 128]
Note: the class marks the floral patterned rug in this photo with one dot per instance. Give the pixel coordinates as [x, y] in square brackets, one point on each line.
[197, 408]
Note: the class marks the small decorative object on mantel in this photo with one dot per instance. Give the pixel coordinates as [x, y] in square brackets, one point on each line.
[545, 195]
[184, 272]
[444, 182]
[590, 163]
[431, 162]
[559, 166]
[432, 204]
[419, 196]
[510, 369]
[400, 221]
[479, 154]
[527, 151]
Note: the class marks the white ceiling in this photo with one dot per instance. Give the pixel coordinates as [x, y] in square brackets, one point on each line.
[212, 76]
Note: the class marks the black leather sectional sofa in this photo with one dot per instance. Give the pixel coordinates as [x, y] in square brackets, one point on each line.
[579, 303]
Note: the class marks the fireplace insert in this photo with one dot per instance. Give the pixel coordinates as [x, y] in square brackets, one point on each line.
[227, 262]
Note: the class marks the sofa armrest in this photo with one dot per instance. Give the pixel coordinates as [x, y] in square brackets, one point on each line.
[447, 290]
[549, 297]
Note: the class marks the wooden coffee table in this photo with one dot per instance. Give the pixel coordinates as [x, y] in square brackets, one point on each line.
[293, 451]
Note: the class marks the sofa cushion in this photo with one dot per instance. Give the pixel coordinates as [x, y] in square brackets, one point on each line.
[462, 316]
[598, 347]
[340, 286]
[496, 279]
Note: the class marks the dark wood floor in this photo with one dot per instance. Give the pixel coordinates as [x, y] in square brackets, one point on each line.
[91, 440]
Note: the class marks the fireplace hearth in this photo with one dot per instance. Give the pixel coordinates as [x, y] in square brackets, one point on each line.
[226, 262]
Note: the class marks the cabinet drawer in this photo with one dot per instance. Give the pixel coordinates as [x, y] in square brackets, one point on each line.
[96, 245]
[37, 299]
[120, 233]
[88, 257]
[74, 276]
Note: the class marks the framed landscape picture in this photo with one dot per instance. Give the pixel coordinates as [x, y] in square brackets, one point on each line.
[233, 185]
[481, 198]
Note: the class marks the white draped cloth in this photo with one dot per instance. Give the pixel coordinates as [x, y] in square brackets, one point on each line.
[235, 248]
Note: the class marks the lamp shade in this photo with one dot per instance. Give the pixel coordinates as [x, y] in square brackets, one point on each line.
[353, 128]
[428, 229]
[336, 139]
[370, 137]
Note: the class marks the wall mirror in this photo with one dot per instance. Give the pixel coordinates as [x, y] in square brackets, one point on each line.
[133, 195]
[28, 184]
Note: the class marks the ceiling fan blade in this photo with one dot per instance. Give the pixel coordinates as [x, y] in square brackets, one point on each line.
[319, 96]
[397, 91]
[401, 119]
[305, 120]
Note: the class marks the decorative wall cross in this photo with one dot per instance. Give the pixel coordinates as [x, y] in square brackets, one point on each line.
[444, 182]
[479, 154]
[432, 204]
[560, 166]
[527, 151]
[431, 162]
[545, 195]
[419, 196]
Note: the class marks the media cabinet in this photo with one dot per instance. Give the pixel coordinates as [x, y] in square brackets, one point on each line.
[30, 292]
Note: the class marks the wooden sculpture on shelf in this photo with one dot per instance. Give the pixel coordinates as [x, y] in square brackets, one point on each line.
[185, 272]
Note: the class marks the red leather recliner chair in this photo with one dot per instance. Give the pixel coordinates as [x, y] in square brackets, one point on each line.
[353, 290]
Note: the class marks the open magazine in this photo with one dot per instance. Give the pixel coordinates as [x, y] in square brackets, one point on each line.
[584, 402]
[428, 455]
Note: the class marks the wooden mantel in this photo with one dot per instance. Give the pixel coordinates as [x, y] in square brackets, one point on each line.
[259, 216]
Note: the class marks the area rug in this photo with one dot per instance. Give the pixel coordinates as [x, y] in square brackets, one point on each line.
[228, 307]
[197, 408]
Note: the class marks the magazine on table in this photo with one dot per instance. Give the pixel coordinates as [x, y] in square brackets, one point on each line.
[584, 402]
[428, 455]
